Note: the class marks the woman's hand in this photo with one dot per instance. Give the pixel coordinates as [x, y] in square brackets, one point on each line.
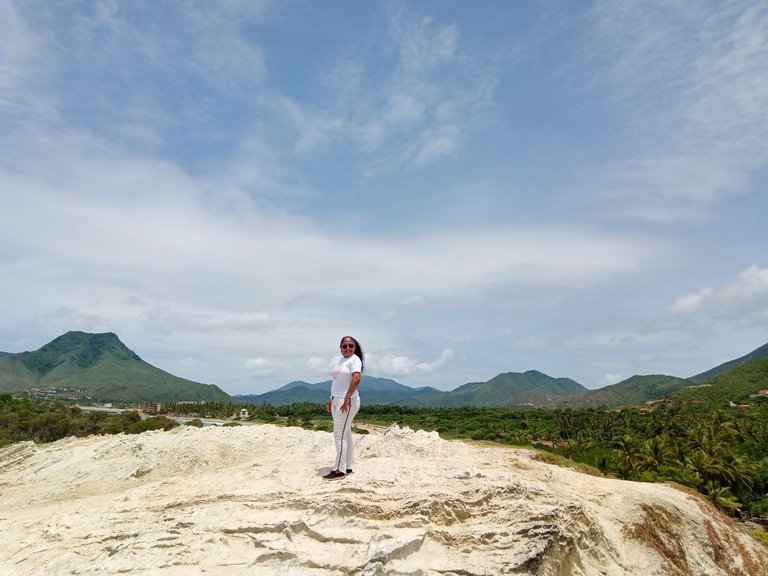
[345, 404]
[328, 406]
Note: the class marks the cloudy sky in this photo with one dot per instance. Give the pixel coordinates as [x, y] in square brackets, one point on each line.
[469, 188]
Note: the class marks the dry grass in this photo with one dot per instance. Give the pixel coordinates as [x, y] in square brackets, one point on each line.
[658, 531]
[563, 462]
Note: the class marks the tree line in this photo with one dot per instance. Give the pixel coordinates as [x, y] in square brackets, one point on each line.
[24, 419]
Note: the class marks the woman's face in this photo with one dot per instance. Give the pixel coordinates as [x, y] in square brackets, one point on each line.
[347, 347]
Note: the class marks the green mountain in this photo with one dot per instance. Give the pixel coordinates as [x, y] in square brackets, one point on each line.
[761, 352]
[736, 385]
[530, 388]
[99, 368]
[630, 392]
[372, 391]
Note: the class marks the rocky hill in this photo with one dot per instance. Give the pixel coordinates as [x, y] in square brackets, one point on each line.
[97, 367]
[251, 500]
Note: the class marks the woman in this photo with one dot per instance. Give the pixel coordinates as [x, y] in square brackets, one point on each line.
[344, 404]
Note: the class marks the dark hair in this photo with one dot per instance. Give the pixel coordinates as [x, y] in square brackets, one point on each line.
[358, 351]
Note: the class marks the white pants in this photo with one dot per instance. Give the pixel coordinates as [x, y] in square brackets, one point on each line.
[342, 432]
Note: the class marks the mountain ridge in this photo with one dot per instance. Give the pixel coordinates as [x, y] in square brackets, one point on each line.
[634, 390]
[103, 368]
[98, 367]
[373, 390]
[524, 389]
[756, 354]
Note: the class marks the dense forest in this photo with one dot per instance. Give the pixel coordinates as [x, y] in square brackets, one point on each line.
[721, 453]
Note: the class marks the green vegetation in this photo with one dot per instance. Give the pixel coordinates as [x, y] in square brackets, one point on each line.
[22, 419]
[736, 385]
[630, 392]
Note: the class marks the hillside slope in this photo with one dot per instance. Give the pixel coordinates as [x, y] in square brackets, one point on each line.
[530, 388]
[734, 385]
[630, 392]
[251, 500]
[98, 367]
[756, 354]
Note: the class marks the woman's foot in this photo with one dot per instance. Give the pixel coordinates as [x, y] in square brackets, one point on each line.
[333, 474]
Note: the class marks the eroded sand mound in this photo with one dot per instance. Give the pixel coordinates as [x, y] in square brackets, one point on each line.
[251, 500]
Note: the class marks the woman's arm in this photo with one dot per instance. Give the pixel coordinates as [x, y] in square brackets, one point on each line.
[351, 390]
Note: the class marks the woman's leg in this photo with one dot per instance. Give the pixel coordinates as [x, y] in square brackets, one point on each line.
[348, 440]
[342, 432]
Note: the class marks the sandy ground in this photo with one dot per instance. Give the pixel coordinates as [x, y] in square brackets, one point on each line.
[251, 500]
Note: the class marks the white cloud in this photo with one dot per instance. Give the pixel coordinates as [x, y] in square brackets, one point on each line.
[693, 78]
[401, 365]
[403, 304]
[744, 300]
[194, 363]
[318, 365]
[610, 379]
[690, 303]
[261, 367]
[165, 321]
[635, 340]
[414, 107]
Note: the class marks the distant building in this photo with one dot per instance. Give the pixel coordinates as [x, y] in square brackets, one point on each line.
[151, 408]
[761, 394]
[243, 413]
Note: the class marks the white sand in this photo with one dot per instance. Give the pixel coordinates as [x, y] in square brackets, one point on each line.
[251, 500]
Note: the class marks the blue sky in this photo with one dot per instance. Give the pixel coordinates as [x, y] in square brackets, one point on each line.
[468, 188]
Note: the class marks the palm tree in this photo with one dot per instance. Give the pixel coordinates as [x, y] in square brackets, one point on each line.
[699, 463]
[628, 453]
[653, 454]
[722, 497]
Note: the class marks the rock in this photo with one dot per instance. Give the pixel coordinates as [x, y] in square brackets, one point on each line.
[251, 500]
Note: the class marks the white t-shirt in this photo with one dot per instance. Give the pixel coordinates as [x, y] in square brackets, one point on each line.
[342, 375]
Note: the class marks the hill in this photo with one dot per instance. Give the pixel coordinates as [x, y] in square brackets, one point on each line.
[735, 385]
[530, 388]
[250, 500]
[372, 391]
[630, 392]
[756, 354]
[97, 367]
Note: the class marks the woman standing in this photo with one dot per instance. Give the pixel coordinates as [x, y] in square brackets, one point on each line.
[344, 404]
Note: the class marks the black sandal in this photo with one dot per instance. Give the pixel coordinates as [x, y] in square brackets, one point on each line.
[332, 475]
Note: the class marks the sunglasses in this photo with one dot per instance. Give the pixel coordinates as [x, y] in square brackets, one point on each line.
[345, 346]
